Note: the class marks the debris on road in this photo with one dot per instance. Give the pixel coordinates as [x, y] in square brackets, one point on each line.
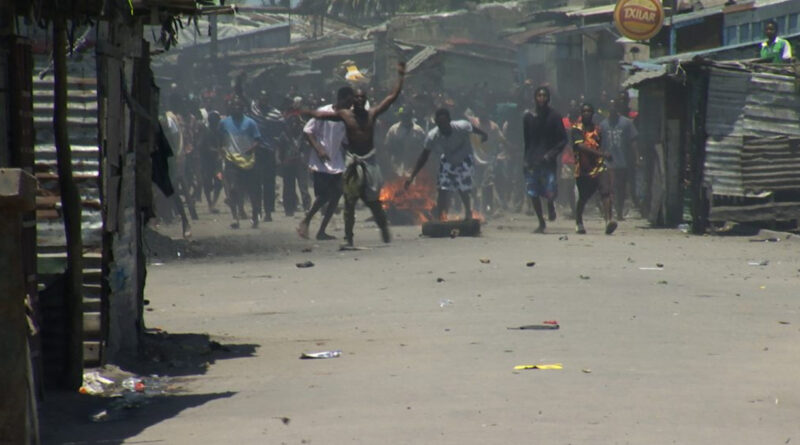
[540, 366]
[651, 268]
[563, 238]
[766, 240]
[321, 354]
[548, 325]
[758, 263]
[127, 390]
[445, 302]
[530, 263]
[784, 322]
[453, 229]
[307, 250]
[584, 277]
[347, 248]
[285, 420]
[485, 260]
[111, 381]
[663, 282]
[305, 264]
[440, 280]
[586, 371]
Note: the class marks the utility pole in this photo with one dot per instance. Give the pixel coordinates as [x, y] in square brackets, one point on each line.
[71, 205]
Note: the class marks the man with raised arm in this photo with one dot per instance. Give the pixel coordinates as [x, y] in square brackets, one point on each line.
[362, 176]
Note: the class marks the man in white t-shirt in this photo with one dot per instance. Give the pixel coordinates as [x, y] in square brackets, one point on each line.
[326, 163]
[456, 165]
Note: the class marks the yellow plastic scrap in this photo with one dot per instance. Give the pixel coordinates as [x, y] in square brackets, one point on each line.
[541, 366]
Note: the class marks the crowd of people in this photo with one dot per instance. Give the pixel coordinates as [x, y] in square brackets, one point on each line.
[496, 151]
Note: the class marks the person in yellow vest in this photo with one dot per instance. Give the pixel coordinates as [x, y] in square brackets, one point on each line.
[774, 49]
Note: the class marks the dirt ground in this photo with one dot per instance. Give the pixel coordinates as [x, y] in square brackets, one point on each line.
[665, 338]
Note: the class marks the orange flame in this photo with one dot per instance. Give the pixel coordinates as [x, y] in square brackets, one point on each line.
[417, 201]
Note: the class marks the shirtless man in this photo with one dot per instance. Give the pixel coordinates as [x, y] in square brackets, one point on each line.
[362, 177]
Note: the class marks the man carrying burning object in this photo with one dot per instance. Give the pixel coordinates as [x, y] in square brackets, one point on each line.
[456, 165]
[591, 173]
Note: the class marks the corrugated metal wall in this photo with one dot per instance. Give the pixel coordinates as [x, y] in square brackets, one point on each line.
[744, 105]
[51, 239]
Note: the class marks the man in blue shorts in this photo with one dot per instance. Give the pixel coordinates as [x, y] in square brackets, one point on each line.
[544, 137]
[450, 139]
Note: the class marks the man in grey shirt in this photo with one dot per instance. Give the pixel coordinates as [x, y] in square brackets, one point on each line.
[456, 166]
[620, 141]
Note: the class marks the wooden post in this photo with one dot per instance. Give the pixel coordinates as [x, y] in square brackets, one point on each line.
[71, 205]
[17, 195]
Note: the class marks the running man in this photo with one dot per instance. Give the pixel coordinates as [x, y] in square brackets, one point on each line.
[545, 137]
[591, 173]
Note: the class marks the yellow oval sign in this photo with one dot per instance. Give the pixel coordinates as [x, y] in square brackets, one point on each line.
[639, 19]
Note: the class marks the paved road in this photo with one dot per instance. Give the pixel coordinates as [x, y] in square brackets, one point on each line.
[703, 349]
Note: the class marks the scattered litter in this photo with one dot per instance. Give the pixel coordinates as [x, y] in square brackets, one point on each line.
[530, 263]
[758, 263]
[285, 420]
[485, 260]
[541, 366]
[784, 322]
[767, 240]
[127, 390]
[305, 264]
[584, 277]
[321, 354]
[547, 325]
[586, 371]
[133, 384]
[440, 280]
[683, 228]
[651, 268]
[307, 250]
[563, 238]
[95, 384]
[659, 265]
[346, 247]
[445, 302]
[663, 282]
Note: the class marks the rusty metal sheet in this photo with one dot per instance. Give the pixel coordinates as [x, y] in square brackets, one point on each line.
[771, 164]
[746, 106]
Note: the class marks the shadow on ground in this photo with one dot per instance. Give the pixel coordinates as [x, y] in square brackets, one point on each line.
[160, 247]
[66, 416]
[183, 354]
